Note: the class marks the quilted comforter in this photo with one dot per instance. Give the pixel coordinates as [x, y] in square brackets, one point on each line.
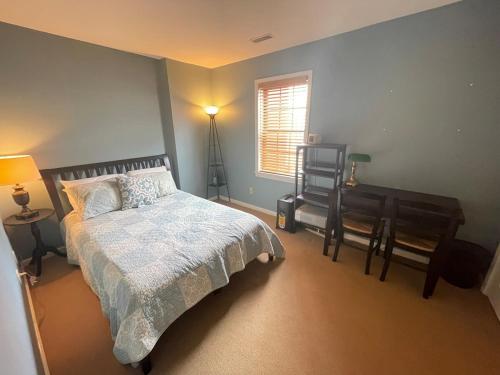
[148, 265]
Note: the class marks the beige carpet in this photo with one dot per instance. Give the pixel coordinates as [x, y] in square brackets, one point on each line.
[303, 315]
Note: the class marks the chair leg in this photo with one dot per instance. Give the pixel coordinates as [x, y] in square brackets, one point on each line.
[379, 238]
[340, 237]
[432, 276]
[326, 244]
[387, 254]
[379, 243]
[369, 256]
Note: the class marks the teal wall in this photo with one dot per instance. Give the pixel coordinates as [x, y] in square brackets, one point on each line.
[67, 102]
[189, 87]
[420, 94]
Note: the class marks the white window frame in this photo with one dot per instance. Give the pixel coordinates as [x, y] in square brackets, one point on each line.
[274, 176]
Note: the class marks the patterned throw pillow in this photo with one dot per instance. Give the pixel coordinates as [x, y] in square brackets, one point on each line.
[163, 180]
[136, 191]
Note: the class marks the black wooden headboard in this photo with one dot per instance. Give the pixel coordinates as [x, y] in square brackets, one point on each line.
[51, 177]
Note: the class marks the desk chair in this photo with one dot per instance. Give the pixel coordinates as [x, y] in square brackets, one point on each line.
[421, 228]
[359, 213]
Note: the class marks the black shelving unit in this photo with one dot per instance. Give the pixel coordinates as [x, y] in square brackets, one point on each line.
[331, 172]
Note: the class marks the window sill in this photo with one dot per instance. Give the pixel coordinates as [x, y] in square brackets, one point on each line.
[275, 177]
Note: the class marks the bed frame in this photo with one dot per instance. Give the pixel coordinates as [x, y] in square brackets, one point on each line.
[51, 177]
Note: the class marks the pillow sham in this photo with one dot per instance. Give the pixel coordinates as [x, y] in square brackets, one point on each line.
[95, 198]
[136, 191]
[162, 179]
[70, 183]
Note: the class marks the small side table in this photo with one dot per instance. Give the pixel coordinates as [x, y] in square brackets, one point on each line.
[40, 249]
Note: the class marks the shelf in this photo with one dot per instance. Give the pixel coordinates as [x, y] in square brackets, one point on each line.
[318, 189]
[319, 172]
[337, 146]
[321, 164]
[218, 185]
[314, 199]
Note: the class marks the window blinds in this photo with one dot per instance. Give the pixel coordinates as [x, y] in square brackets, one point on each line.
[282, 116]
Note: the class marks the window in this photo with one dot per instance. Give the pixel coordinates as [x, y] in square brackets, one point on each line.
[282, 120]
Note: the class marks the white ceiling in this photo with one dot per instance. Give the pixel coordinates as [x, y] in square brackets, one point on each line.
[204, 32]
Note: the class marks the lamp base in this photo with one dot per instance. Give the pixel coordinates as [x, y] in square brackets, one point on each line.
[22, 198]
[352, 182]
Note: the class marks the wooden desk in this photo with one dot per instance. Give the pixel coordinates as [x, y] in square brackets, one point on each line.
[440, 256]
[446, 202]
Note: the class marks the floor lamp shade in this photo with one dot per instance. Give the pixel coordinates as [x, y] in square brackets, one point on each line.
[211, 110]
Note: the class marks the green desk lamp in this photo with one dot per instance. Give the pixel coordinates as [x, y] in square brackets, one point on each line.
[356, 158]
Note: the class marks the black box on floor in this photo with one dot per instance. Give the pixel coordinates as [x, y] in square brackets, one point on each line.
[285, 213]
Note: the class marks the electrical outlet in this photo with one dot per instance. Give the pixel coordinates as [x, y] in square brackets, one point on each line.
[250, 190]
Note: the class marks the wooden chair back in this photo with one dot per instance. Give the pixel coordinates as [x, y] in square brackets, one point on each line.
[421, 218]
[358, 202]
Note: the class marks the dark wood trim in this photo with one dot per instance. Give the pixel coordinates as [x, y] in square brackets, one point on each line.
[51, 176]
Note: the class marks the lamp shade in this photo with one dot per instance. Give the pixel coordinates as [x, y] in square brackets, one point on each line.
[211, 110]
[17, 169]
[360, 158]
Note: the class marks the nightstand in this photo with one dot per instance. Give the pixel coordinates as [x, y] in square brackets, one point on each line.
[40, 249]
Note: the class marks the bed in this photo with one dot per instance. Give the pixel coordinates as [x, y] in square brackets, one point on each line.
[149, 265]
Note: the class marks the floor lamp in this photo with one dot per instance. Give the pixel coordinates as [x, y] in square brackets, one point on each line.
[215, 161]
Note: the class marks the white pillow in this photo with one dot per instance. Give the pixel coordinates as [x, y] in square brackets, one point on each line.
[70, 183]
[162, 179]
[95, 198]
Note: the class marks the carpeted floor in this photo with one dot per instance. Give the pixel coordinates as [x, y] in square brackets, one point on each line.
[303, 315]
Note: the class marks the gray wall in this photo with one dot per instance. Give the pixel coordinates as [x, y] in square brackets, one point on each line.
[67, 102]
[189, 87]
[420, 94]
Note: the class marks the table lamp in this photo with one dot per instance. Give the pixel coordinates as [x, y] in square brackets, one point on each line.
[15, 170]
[356, 158]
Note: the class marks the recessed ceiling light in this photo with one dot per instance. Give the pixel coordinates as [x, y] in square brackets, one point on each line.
[261, 38]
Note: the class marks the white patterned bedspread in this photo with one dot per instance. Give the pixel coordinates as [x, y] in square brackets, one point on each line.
[148, 265]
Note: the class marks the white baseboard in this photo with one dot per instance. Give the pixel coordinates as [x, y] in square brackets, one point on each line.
[244, 204]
